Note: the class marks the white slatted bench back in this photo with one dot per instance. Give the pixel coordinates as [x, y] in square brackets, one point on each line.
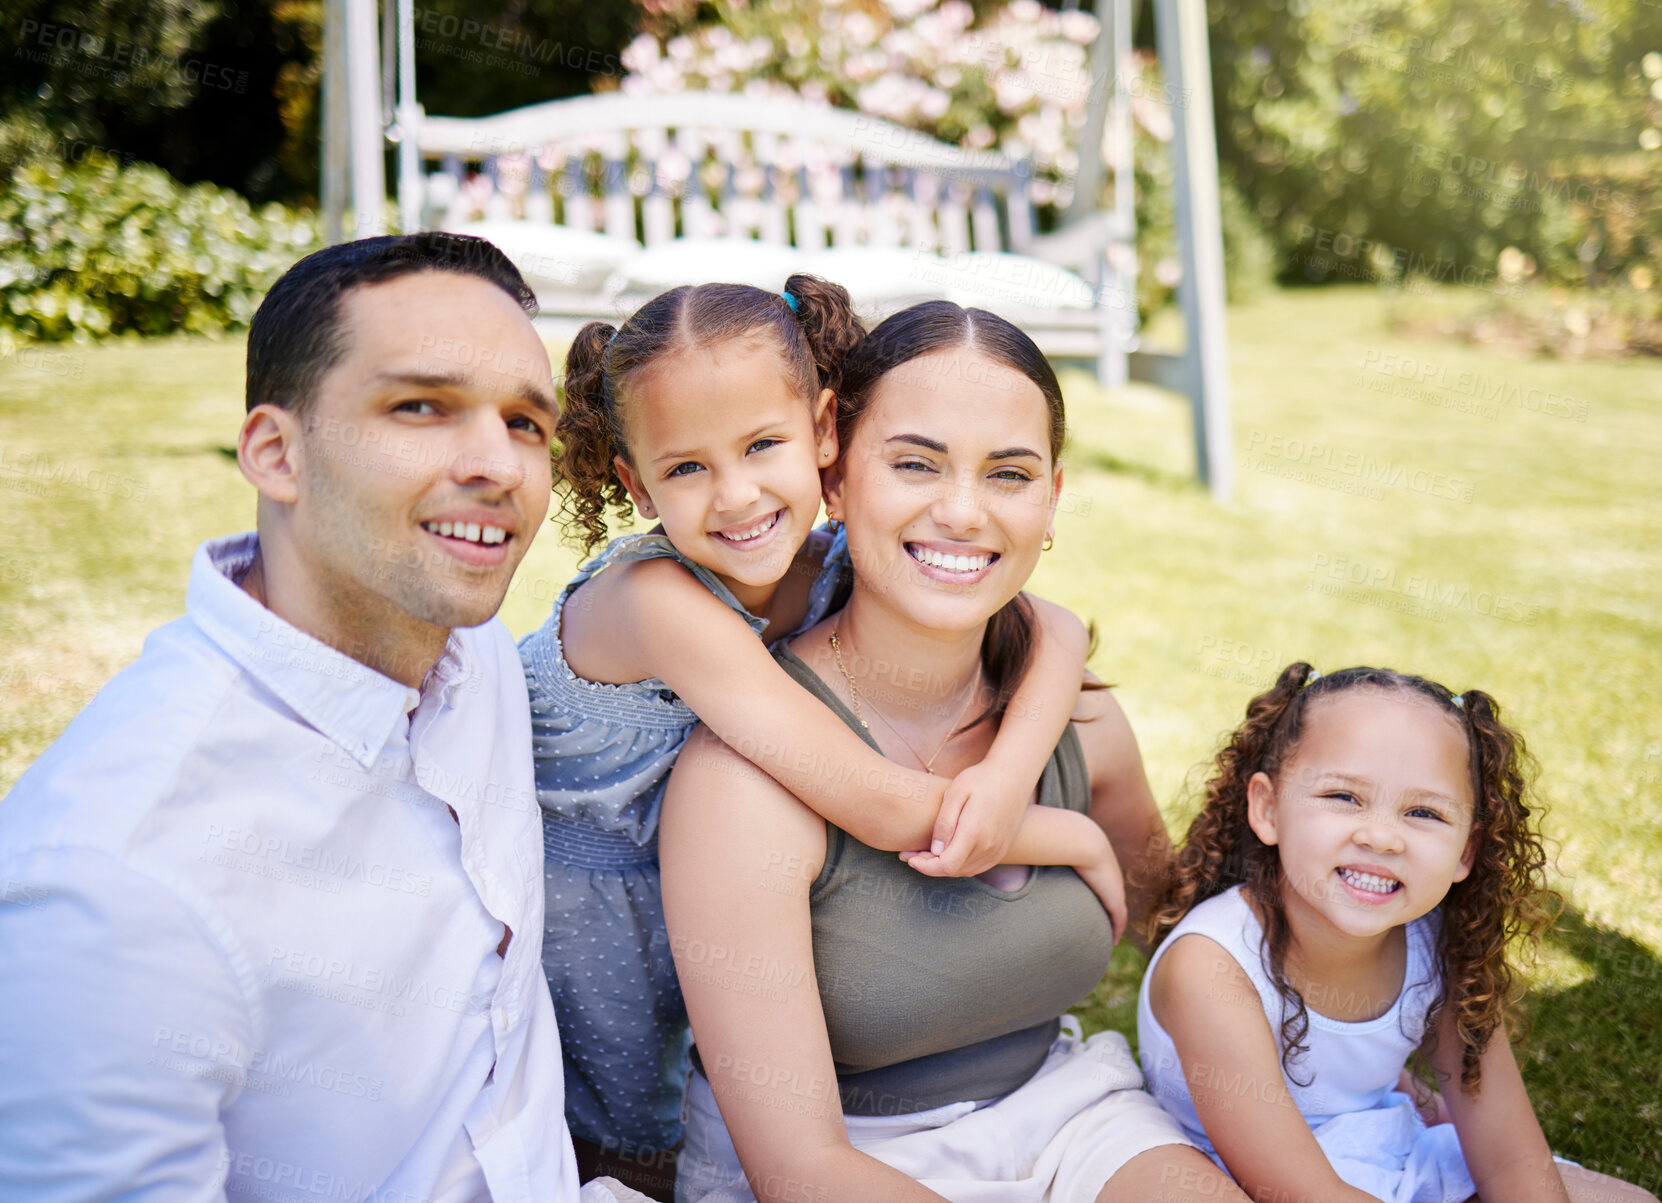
[704, 165]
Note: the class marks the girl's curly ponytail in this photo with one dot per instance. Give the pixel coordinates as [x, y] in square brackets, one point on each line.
[1504, 903]
[587, 439]
[1221, 850]
[829, 325]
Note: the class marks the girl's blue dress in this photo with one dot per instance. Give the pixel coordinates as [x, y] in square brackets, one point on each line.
[603, 755]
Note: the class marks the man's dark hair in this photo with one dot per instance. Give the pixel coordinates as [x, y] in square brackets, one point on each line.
[296, 336]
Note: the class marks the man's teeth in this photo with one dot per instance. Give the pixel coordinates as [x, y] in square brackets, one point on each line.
[1369, 882]
[935, 559]
[750, 532]
[472, 532]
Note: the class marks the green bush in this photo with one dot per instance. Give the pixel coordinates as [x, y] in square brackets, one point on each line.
[98, 248]
[1425, 138]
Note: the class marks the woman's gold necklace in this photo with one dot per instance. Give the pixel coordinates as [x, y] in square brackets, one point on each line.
[854, 697]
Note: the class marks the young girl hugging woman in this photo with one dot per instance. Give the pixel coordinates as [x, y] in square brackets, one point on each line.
[1342, 908]
[872, 1034]
[711, 410]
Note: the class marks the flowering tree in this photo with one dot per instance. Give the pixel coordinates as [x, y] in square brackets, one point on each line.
[1019, 82]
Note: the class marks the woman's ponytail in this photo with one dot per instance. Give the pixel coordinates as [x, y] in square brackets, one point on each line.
[587, 442]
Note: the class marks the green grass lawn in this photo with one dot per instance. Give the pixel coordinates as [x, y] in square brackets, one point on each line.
[1488, 522]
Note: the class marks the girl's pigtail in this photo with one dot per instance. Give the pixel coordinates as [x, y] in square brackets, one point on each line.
[1221, 849]
[1504, 901]
[586, 443]
[829, 324]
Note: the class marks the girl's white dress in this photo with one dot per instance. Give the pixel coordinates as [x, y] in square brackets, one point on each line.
[1369, 1130]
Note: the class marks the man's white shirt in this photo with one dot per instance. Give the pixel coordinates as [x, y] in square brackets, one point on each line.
[252, 904]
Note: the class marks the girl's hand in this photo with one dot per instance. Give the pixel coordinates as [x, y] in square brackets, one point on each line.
[1427, 1101]
[1051, 835]
[1103, 875]
[978, 821]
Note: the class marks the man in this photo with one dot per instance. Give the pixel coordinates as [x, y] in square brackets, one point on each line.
[273, 903]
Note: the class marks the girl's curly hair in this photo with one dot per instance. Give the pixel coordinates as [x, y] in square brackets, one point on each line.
[813, 338]
[1504, 898]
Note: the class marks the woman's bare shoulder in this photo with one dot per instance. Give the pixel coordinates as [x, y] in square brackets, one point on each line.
[1105, 733]
[727, 788]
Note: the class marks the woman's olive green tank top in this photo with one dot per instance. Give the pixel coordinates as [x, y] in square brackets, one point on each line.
[941, 989]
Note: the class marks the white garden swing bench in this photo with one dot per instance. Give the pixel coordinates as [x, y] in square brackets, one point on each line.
[604, 201]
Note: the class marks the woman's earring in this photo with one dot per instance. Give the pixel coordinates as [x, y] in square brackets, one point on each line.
[1050, 541]
[833, 522]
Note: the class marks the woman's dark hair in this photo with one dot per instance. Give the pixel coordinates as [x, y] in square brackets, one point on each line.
[297, 336]
[1007, 647]
[1504, 897]
[812, 337]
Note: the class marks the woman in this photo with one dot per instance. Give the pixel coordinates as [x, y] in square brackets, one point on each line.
[870, 1032]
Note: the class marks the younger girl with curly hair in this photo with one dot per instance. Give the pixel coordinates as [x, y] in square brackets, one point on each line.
[712, 411]
[1343, 905]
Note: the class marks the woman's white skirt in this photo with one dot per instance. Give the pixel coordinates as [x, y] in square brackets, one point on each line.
[1056, 1139]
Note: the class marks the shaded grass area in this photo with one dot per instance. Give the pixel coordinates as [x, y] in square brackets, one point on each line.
[1431, 517]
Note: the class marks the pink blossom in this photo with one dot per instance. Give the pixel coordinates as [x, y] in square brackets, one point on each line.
[905, 10]
[640, 54]
[860, 29]
[1028, 11]
[1079, 27]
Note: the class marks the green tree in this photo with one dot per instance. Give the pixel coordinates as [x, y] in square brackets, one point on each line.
[1430, 135]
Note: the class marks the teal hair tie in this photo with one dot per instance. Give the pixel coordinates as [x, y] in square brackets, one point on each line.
[1459, 700]
[796, 305]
